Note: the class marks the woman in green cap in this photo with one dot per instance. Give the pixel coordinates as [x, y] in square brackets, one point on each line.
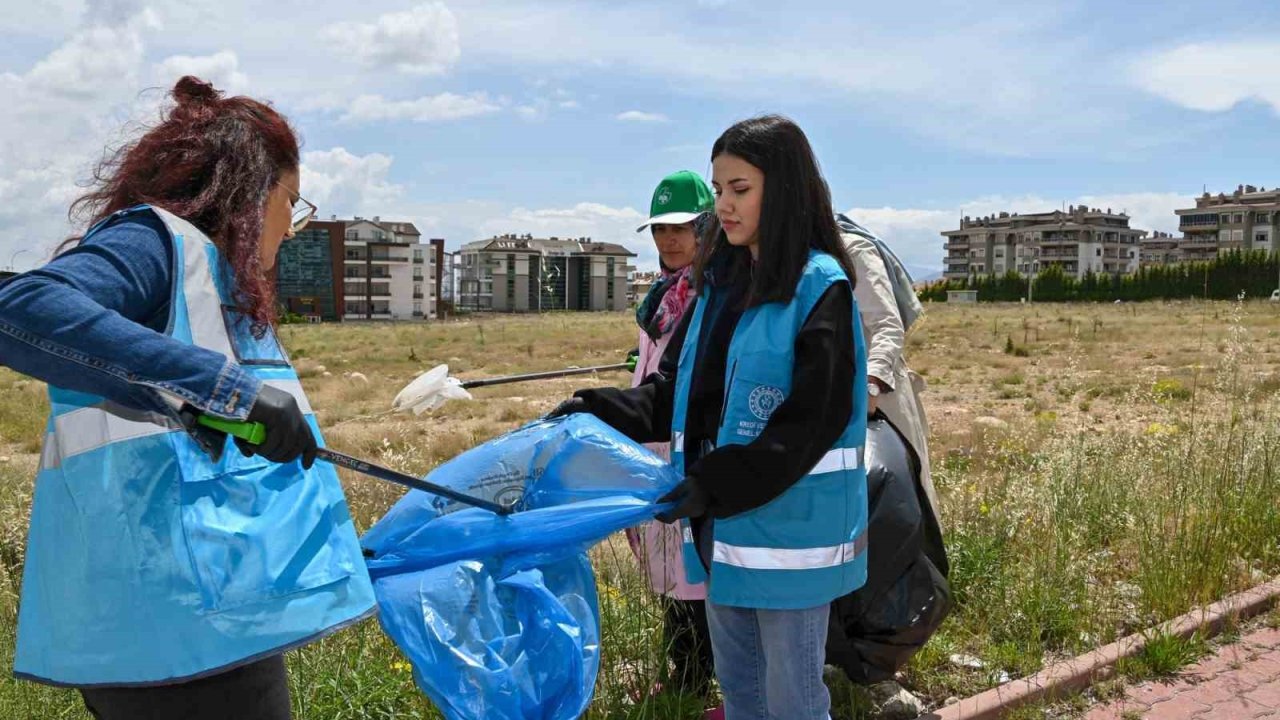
[681, 204]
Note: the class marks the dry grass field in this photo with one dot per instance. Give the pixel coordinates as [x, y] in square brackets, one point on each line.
[1101, 467]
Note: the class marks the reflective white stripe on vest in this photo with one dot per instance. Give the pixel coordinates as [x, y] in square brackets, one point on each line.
[761, 558]
[204, 307]
[294, 388]
[90, 428]
[837, 460]
[677, 442]
[93, 427]
[49, 453]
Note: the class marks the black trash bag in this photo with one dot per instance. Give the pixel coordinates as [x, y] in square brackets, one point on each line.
[876, 629]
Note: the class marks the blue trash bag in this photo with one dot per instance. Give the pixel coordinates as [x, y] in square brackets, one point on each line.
[499, 615]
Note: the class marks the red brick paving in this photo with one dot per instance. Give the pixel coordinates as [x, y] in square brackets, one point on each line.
[1238, 682]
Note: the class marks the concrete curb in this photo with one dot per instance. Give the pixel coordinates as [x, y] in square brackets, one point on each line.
[1078, 673]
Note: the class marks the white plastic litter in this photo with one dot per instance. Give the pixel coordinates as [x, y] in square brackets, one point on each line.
[429, 391]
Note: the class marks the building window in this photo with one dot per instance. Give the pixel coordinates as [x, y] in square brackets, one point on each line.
[1262, 218]
[1099, 252]
[608, 283]
[1239, 218]
[511, 282]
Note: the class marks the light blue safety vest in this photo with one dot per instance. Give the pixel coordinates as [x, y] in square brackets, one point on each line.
[807, 546]
[147, 563]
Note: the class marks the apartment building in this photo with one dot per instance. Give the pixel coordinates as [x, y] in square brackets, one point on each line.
[309, 269]
[358, 269]
[1079, 240]
[1243, 220]
[1160, 248]
[521, 273]
[387, 273]
[641, 283]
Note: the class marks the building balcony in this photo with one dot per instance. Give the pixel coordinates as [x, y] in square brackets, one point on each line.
[1196, 243]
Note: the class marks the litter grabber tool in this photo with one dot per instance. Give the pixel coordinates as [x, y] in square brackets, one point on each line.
[483, 382]
[256, 433]
[433, 388]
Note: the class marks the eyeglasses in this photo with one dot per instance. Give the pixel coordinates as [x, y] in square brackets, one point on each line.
[301, 215]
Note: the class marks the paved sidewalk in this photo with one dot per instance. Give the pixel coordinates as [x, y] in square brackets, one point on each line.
[1239, 682]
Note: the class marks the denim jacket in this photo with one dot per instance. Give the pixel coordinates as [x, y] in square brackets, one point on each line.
[92, 320]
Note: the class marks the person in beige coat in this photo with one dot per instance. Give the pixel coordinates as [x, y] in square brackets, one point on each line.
[892, 387]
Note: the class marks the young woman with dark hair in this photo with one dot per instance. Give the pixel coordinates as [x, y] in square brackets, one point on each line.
[763, 400]
[166, 574]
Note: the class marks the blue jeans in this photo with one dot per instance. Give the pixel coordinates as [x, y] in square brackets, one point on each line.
[769, 662]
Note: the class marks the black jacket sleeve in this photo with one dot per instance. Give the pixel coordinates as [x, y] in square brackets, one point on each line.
[642, 413]
[803, 428]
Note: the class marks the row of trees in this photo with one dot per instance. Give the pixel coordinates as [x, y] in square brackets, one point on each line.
[1254, 273]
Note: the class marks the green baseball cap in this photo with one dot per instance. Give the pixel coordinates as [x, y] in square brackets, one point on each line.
[680, 198]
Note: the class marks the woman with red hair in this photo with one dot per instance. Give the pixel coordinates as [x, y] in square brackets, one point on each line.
[166, 573]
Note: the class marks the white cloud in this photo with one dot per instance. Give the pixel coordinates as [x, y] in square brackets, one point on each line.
[58, 117]
[915, 233]
[91, 64]
[222, 69]
[641, 117]
[419, 41]
[570, 105]
[1213, 77]
[342, 183]
[1002, 95]
[432, 108]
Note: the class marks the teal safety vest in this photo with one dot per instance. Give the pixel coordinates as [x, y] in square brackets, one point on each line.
[807, 546]
[147, 562]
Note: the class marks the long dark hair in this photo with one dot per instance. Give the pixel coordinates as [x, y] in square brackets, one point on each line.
[795, 212]
[212, 161]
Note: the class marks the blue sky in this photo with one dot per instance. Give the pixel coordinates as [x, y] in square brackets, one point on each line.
[558, 117]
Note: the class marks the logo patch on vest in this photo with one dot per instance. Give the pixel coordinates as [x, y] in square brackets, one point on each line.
[764, 400]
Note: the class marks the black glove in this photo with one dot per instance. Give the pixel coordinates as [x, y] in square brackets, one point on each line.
[690, 499]
[568, 407]
[288, 434]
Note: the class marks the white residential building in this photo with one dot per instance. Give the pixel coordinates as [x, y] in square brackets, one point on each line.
[387, 273]
[521, 273]
[1079, 240]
